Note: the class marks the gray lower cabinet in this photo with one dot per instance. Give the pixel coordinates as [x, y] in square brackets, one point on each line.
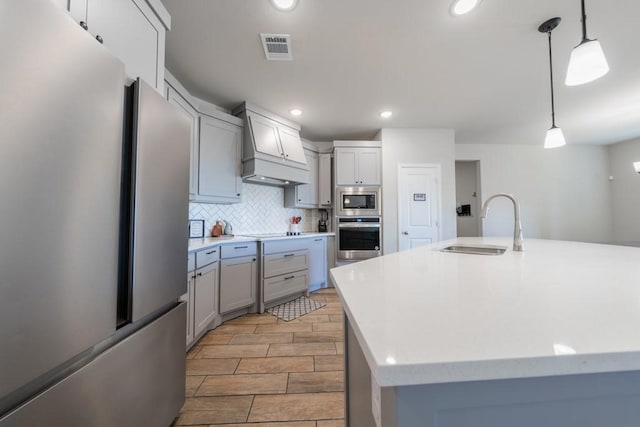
[238, 278]
[285, 271]
[204, 306]
[318, 263]
[188, 298]
[202, 290]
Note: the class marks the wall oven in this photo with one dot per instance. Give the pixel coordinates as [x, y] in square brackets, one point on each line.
[358, 201]
[359, 238]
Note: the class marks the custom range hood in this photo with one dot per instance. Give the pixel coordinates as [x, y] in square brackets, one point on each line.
[272, 150]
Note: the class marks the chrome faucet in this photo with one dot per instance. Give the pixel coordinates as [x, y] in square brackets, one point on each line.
[518, 244]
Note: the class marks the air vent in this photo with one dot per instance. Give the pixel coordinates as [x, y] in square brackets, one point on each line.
[277, 47]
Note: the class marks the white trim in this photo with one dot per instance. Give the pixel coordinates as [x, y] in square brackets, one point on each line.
[438, 168]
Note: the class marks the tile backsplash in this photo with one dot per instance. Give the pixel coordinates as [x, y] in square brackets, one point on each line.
[261, 211]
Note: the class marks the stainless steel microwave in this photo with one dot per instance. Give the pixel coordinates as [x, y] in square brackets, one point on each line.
[358, 201]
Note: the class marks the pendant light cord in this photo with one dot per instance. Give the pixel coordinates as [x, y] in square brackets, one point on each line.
[584, 23]
[553, 110]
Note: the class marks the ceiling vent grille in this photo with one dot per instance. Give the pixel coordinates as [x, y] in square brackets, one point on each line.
[277, 47]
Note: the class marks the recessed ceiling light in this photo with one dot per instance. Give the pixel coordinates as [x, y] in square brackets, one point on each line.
[386, 114]
[461, 7]
[296, 112]
[285, 5]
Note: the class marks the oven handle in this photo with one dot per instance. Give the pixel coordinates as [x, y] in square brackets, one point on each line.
[359, 225]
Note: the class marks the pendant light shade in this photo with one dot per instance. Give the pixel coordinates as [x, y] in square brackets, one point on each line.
[587, 62]
[555, 137]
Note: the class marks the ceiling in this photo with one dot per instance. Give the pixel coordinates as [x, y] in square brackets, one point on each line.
[484, 74]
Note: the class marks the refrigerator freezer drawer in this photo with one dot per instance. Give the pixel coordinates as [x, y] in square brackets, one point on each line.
[137, 382]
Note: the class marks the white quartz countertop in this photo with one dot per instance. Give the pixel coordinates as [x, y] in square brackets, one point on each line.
[423, 316]
[207, 242]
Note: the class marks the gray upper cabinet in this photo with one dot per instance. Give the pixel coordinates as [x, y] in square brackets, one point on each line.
[304, 195]
[133, 30]
[324, 180]
[179, 101]
[219, 163]
[275, 140]
[216, 148]
[265, 135]
[358, 166]
[291, 145]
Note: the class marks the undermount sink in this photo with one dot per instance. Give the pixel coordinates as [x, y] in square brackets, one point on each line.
[475, 250]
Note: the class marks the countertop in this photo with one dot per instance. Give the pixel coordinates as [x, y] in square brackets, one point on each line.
[423, 316]
[207, 242]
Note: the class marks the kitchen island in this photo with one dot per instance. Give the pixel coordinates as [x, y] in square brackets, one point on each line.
[545, 337]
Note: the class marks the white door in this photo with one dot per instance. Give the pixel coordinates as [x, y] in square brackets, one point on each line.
[418, 206]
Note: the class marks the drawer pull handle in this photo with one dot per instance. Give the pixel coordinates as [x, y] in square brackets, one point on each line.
[212, 252]
[289, 277]
[241, 247]
[288, 255]
[317, 240]
[199, 274]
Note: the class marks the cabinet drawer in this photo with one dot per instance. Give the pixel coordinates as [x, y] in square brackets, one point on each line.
[288, 262]
[191, 261]
[288, 245]
[207, 256]
[238, 249]
[286, 284]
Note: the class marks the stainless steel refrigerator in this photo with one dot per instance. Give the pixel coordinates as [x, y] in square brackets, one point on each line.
[93, 231]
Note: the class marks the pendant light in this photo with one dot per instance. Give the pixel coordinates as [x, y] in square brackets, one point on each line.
[555, 137]
[587, 62]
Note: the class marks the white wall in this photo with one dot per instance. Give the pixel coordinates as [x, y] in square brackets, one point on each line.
[564, 193]
[467, 194]
[625, 192]
[416, 146]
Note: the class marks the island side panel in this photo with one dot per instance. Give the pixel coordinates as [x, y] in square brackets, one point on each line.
[358, 410]
[591, 400]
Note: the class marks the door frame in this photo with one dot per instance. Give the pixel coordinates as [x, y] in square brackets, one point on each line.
[438, 168]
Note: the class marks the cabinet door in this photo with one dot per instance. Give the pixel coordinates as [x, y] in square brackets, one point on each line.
[346, 160]
[368, 167]
[126, 28]
[292, 145]
[318, 264]
[206, 288]
[77, 9]
[238, 283]
[307, 194]
[265, 135]
[188, 298]
[176, 99]
[324, 180]
[219, 175]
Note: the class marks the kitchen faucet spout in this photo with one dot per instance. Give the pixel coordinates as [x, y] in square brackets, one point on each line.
[518, 244]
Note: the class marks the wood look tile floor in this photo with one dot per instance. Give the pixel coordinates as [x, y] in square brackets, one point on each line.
[260, 371]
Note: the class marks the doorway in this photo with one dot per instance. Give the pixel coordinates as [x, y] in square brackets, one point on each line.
[418, 205]
[468, 199]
